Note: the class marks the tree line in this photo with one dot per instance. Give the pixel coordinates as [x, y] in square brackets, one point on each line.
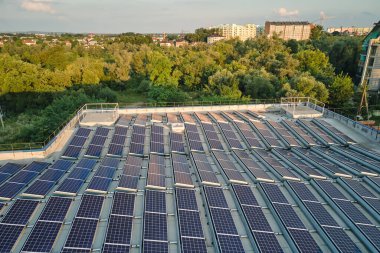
[33, 77]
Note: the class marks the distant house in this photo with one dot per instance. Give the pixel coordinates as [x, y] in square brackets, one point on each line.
[181, 43]
[68, 43]
[29, 42]
[166, 43]
[214, 38]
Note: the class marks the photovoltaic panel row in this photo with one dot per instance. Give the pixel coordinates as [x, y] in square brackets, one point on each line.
[262, 232]
[155, 222]
[267, 134]
[335, 232]
[193, 137]
[48, 179]
[8, 170]
[119, 229]
[351, 211]
[283, 132]
[308, 169]
[302, 134]
[212, 136]
[361, 157]
[46, 230]
[177, 142]
[247, 133]
[354, 165]
[204, 169]
[253, 167]
[289, 218]
[229, 168]
[156, 172]
[103, 176]
[83, 230]
[191, 232]
[157, 140]
[230, 135]
[281, 170]
[14, 222]
[22, 178]
[117, 142]
[76, 144]
[74, 181]
[97, 143]
[226, 232]
[137, 140]
[333, 130]
[182, 174]
[315, 131]
[328, 166]
[131, 174]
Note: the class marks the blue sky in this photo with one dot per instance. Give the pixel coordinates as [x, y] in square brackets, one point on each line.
[116, 16]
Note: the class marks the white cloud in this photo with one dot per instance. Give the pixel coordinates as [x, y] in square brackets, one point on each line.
[38, 6]
[283, 12]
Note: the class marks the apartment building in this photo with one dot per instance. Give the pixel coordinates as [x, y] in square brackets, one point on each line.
[233, 31]
[288, 30]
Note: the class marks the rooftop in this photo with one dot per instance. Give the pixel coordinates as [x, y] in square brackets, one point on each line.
[237, 178]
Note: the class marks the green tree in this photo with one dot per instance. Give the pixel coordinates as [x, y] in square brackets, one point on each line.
[341, 90]
[86, 71]
[305, 85]
[316, 32]
[224, 84]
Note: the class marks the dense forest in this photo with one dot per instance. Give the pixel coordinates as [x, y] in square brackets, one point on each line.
[42, 85]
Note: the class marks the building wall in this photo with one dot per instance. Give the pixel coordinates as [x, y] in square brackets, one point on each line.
[242, 32]
[288, 30]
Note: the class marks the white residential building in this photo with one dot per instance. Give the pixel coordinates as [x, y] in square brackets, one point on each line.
[232, 31]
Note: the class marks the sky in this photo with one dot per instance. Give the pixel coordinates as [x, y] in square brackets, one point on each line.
[157, 16]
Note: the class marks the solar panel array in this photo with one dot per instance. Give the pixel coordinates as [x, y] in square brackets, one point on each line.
[195, 197]
[316, 131]
[76, 144]
[22, 178]
[137, 140]
[335, 132]
[157, 140]
[116, 146]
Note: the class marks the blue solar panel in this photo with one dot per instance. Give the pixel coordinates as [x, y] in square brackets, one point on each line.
[86, 163]
[78, 141]
[341, 239]
[267, 242]
[72, 152]
[79, 173]
[115, 150]
[155, 247]
[155, 201]
[42, 237]
[215, 197]
[131, 170]
[302, 191]
[24, 177]
[190, 224]
[320, 213]
[121, 130]
[288, 216]
[102, 131]
[136, 148]
[123, 204]
[115, 248]
[110, 162]
[186, 199]
[256, 218]
[105, 172]
[62, 165]
[9, 190]
[372, 233]
[4, 177]
[9, 235]
[56, 209]
[155, 226]
[20, 212]
[223, 221]
[85, 132]
[274, 193]
[128, 182]
[94, 151]
[119, 229]
[10, 168]
[52, 175]
[36, 166]
[352, 212]
[245, 195]
[330, 189]
[70, 185]
[76, 250]
[82, 233]
[40, 188]
[230, 243]
[90, 206]
[99, 184]
[304, 240]
[156, 180]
